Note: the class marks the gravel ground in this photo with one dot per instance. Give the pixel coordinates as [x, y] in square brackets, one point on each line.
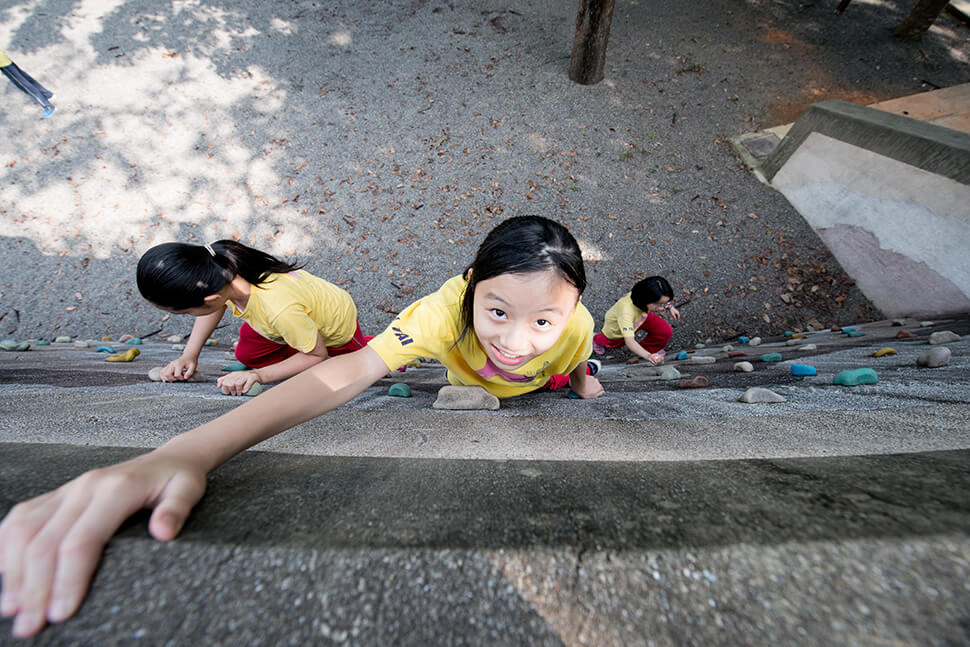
[379, 142]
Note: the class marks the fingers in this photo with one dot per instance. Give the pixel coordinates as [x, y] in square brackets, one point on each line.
[178, 499]
[237, 383]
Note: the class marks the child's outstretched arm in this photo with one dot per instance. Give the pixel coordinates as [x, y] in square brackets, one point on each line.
[51, 545]
[183, 367]
[640, 351]
[239, 382]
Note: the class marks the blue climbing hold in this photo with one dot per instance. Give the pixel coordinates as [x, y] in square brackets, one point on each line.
[43, 342]
[134, 341]
[572, 395]
[235, 366]
[788, 333]
[105, 349]
[743, 340]
[803, 370]
[682, 354]
[855, 333]
[771, 357]
[848, 329]
[399, 390]
[856, 376]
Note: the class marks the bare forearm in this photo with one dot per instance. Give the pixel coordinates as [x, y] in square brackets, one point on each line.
[635, 348]
[324, 387]
[201, 330]
[289, 367]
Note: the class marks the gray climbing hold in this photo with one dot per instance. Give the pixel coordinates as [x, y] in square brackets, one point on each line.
[178, 346]
[465, 398]
[175, 339]
[926, 324]
[155, 375]
[944, 337]
[702, 359]
[758, 395]
[63, 339]
[754, 341]
[14, 346]
[255, 390]
[400, 390]
[80, 343]
[808, 347]
[934, 357]
[727, 349]
[669, 373]
[743, 367]
[699, 346]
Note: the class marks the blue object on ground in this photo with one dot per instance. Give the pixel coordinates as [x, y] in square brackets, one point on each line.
[235, 366]
[856, 376]
[771, 357]
[743, 340]
[134, 341]
[803, 370]
[573, 395]
[105, 349]
[682, 354]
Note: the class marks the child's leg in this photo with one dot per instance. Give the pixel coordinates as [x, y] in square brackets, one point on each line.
[557, 380]
[601, 342]
[356, 342]
[659, 333]
[255, 351]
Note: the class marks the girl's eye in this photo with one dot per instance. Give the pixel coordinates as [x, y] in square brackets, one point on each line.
[499, 314]
[543, 323]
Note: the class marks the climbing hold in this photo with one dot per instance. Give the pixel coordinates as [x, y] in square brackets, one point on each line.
[698, 382]
[63, 339]
[944, 337]
[855, 333]
[882, 352]
[14, 346]
[235, 366]
[899, 322]
[414, 363]
[856, 376]
[927, 324]
[835, 329]
[106, 339]
[105, 349]
[80, 343]
[702, 359]
[699, 346]
[43, 342]
[155, 375]
[754, 341]
[175, 339]
[682, 354]
[399, 390]
[803, 370]
[743, 340]
[134, 341]
[770, 357]
[669, 373]
[465, 397]
[178, 346]
[125, 338]
[788, 333]
[759, 395]
[848, 328]
[212, 342]
[934, 357]
[799, 336]
[808, 347]
[633, 360]
[572, 395]
[905, 334]
[737, 353]
[743, 367]
[127, 356]
[727, 349]
[255, 390]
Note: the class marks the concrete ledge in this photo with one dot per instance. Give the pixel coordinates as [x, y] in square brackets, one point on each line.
[926, 146]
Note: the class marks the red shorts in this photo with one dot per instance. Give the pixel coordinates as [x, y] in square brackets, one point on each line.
[255, 351]
[659, 334]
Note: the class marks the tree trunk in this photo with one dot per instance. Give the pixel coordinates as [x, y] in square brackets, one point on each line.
[589, 46]
[920, 19]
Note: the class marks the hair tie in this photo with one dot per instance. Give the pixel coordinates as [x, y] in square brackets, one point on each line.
[209, 249]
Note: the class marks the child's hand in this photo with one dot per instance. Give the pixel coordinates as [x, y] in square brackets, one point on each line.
[656, 359]
[237, 383]
[675, 313]
[179, 369]
[51, 545]
[587, 388]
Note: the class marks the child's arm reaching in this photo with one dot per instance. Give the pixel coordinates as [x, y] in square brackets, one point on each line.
[51, 545]
[183, 367]
[640, 351]
[238, 383]
[585, 386]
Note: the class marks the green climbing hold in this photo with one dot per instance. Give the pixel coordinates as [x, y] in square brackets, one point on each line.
[134, 341]
[400, 390]
[856, 376]
[855, 333]
[235, 366]
[771, 357]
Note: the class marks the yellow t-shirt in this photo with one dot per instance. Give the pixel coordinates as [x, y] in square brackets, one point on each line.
[292, 308]
[429, 327]
[623, 319]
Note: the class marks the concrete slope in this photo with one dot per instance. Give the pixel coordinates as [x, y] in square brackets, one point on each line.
[654, 515]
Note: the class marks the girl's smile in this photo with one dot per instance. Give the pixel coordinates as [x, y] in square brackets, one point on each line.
[518, 317]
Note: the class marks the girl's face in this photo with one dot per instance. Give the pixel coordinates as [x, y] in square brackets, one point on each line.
[518, 317]
[659, 306]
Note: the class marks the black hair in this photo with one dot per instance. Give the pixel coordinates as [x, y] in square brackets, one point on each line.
[521, 245]
[180, 276]
[650, 290]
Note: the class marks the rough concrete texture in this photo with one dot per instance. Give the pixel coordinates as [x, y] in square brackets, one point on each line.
[651, 515]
